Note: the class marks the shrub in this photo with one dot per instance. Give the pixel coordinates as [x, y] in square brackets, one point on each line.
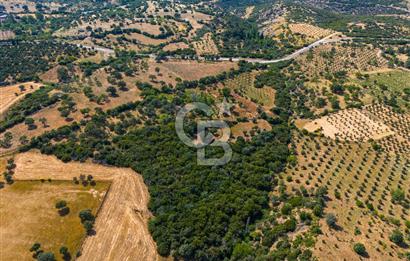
[331, 220]
[286, 209]
[61, 204]
[360, 249]
[86, 215]
[396, 237]
[398, 195]
[46, 256]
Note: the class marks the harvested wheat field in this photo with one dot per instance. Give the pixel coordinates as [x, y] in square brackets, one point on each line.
[121, 225]
[9, 95]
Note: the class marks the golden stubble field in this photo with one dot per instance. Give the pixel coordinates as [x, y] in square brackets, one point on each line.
[121, 224]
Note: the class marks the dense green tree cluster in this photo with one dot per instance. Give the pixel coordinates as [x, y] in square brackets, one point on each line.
[25, 60]
[241, 38]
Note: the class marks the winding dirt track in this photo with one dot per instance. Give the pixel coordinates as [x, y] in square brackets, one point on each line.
[121, 225]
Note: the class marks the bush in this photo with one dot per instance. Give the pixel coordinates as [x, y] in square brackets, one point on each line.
[398, 195]
[86, 215]
[331, 220]
[46, 256]
[396, 237]
[360, 249]
[61, 204]
[241, 251]
[286, 209]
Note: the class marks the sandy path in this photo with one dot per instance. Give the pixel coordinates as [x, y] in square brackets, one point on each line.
[121, 225]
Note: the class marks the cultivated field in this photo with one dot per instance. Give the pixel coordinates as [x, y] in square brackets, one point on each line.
[206, 45]
[374, 122]
[335, 57]
[386, 84]
[360, 182]
[351, 125]
[310, 32]
[121, 225]
[195, 19]
[244, 86]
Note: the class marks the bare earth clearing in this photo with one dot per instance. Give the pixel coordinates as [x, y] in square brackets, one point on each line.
[121, 225]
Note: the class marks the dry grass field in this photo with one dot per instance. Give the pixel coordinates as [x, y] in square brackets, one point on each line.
[7, 35]
[275, 27]
[248, 12]
[98, 83]
[81, 28]
[175, 46]
[206, 45]
[121, 224]
[9, 95]
[16, 6]
[250, 129]
[359, 182]
[193, 18]
[33, 202]
[54, 120]
[193, 70]
[142, 39]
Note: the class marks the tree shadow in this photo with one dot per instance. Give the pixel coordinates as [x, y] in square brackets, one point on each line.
[91, 233]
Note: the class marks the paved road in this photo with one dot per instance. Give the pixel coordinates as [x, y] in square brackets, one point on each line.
[325, 40]
[291, 56]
